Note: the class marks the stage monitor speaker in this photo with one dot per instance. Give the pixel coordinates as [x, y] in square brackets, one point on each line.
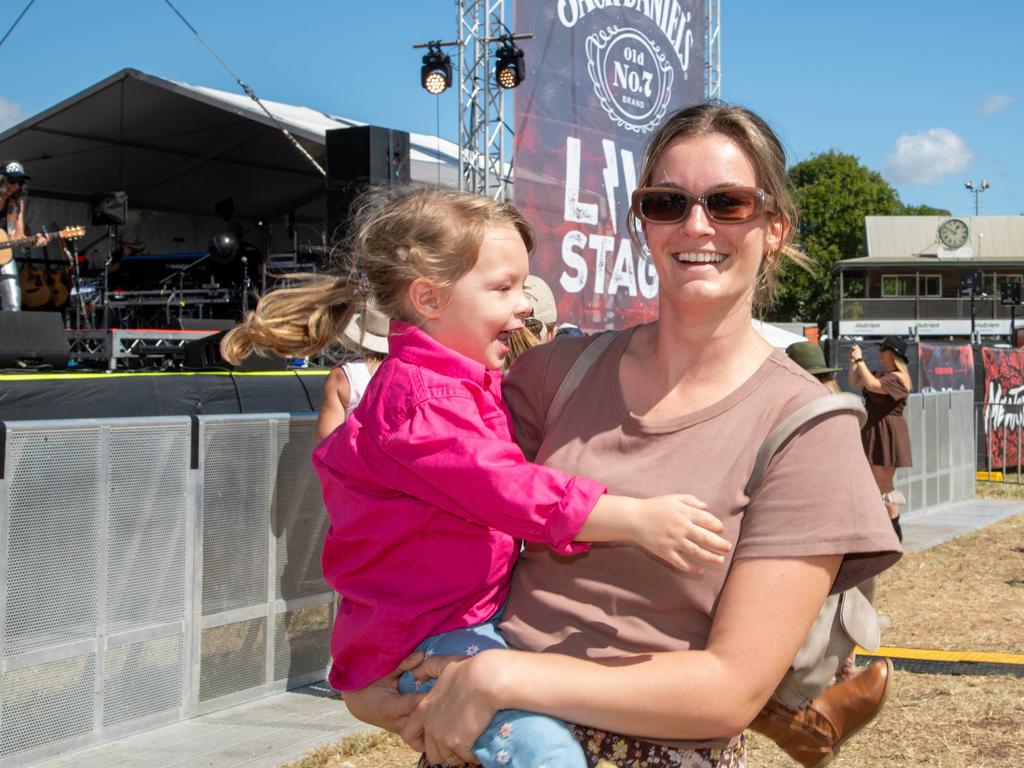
[358, 157]
[109, 208]
[205, 353]
[32, 340]
[206, 324]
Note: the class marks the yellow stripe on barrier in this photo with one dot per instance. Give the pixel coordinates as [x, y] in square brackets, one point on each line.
[993, 476]
[927, 654]
[133, 374]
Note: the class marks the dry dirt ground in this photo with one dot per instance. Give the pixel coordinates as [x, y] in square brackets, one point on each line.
[965, 595]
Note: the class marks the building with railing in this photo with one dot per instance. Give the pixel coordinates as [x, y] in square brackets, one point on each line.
[918, 271]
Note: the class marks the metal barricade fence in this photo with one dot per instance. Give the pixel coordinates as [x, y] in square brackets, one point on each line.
[152, 570]
[942, 441]
[1000, 441]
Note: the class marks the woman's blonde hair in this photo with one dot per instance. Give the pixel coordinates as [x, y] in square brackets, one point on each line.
[765, 152]
[397, 235]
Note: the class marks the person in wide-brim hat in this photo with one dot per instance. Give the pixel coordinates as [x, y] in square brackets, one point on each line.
[896, 345]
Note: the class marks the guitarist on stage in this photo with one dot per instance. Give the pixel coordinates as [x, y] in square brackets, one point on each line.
[12, 218]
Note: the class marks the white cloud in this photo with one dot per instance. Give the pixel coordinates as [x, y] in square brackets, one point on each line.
[924, 158]
[996, 102]
[10, 113]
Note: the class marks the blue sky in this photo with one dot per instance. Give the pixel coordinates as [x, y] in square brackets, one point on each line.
[927, 93]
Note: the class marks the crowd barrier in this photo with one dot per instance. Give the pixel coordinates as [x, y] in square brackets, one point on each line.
[155, 569]
[152, 570]
[942, 437]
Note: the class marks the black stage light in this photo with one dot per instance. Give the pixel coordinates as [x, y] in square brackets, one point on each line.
[223, 247]
[436, 72]
[509, 67]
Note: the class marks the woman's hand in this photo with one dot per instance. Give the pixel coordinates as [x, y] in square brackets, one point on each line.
[381, 704]
[458, 708]
[855, 353]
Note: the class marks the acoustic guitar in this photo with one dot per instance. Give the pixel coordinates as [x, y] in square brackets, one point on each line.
[8, 244]
[34, 289]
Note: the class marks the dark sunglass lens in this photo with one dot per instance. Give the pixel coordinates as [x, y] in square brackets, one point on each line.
[533, 325]
[664, 206]
[732, 205]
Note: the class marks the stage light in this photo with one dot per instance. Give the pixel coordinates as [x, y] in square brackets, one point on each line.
[436, 72]
[509, 67]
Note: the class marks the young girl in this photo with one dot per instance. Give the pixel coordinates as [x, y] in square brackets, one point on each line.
[428, 495]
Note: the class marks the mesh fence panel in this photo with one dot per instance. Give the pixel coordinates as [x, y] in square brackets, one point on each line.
[52, 567]
[148, 508]
[236, 514]
[143, 678]
[302, 641]
[46, 703]
[300, 521]
[233, 658]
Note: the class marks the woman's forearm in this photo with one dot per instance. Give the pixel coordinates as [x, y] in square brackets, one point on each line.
[764, 614]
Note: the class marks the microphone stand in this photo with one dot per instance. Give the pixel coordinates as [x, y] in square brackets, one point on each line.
[180, 274]
[246, 285]
[112, 238]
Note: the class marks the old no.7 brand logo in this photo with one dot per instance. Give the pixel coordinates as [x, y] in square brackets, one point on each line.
[632, 77]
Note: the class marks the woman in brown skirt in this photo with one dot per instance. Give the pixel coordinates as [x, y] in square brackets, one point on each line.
[885, 435]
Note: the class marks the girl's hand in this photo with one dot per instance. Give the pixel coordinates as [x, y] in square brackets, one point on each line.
[458, 708]
[381, 704]
[679, 529]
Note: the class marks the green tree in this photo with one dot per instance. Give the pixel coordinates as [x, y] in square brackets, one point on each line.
[924, 210]
[834, 193]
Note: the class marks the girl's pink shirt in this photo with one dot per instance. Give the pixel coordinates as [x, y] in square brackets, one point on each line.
[429, 498]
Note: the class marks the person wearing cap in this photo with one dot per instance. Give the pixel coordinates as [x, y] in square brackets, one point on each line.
[12, 216]
[539, 326]
[885, 435]
[543, 321]
[367, 336]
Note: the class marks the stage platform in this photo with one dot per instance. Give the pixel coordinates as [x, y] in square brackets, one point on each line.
[96, 395]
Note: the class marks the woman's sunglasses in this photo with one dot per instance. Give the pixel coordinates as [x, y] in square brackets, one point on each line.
[725, 205]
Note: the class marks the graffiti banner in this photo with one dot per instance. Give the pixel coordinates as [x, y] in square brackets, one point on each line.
[1003, 404]
[945, 366]
[600, 78]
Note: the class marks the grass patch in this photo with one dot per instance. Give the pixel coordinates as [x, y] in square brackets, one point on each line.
[373, 749]
[984, 489]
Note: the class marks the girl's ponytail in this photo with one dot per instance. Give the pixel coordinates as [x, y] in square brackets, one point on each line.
[297, 321]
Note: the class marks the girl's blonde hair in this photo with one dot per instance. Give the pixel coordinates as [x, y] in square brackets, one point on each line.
[397, 235]
[764, 150]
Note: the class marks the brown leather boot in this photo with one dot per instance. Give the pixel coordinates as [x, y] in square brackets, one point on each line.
[812, 736]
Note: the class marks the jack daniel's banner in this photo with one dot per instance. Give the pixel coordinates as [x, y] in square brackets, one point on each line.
[602, 75]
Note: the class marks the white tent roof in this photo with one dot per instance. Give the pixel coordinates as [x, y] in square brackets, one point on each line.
[777, 337]
[178, 147]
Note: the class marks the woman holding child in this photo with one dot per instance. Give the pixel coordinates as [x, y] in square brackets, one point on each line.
[613, 639]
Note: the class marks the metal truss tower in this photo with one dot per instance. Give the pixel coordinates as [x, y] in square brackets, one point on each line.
[713, 40]
[484, 166]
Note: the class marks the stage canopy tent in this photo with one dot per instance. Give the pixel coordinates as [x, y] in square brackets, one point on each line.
[182, 148]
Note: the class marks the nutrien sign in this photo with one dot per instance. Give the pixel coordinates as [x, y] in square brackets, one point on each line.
[602, 75]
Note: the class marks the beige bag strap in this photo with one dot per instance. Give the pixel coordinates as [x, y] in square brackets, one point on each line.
[575, 375]
[829, 404]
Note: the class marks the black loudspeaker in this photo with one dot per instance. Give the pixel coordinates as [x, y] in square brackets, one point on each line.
[205, 353]
[32, 339]
[358, 157]
[109, 208]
